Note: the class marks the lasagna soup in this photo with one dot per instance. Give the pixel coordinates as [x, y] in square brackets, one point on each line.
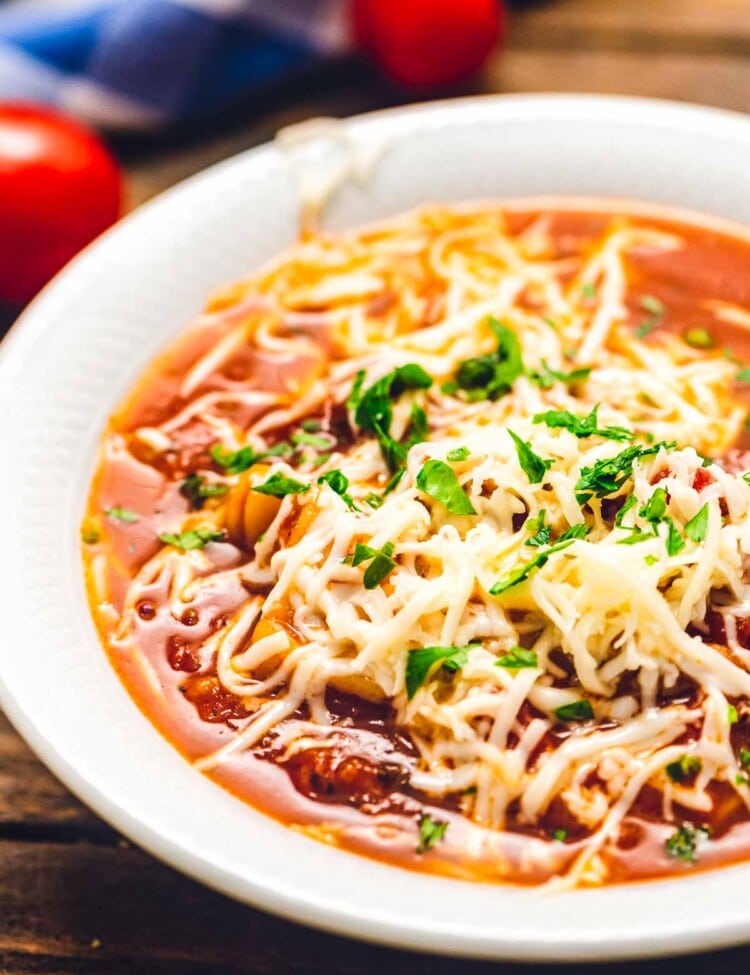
[431, 540]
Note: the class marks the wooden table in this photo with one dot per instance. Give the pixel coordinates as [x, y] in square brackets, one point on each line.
[74, 896]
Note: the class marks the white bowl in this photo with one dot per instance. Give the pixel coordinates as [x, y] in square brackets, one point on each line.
[78, 348]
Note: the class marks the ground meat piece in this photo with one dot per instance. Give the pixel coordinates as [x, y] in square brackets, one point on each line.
[336, 774]
[212, 701]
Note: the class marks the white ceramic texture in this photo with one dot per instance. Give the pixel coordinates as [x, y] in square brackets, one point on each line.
[78, 348]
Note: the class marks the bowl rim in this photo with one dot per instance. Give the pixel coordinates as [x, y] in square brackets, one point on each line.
[716, 930]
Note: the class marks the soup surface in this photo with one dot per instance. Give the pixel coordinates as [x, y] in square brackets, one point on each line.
[431, 540]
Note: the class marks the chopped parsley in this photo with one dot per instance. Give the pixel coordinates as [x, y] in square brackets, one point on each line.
[635, 537]
[430, 833]
[547, 376]
[656, 506]
[743, 376]
[458, 453]
[439, 481]
[237, 461]
[629, 503]
[682, 844]
[684, 768]
[195, 538]
[582, 426]
[675, 541]
[650, 559]
[533, 466]
[338, 482]
[279, 485]
[121, 514]
[420, 662]
[196, 489]
[521, 574]
[697, 527]
[380, 559]
[698, 338]
[588, 290]
[559, 834]
[541, 533]
[373, 410]
[732, 714]
[575, 711]
[609, 475]
[418, 428]
[304, 438]
[518, 658]
[491, 376]
[575, 531]
[744, 757]
[394, 482]
[656, 312]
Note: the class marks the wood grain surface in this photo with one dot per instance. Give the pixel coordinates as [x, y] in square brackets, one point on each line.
[74, 896]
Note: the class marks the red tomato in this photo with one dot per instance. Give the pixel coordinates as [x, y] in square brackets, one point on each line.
[428, 42]
[59, 188]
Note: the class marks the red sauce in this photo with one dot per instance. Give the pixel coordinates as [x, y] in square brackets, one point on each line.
[357, 793]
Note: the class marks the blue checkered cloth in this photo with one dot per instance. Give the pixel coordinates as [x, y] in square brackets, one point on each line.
[135, 64]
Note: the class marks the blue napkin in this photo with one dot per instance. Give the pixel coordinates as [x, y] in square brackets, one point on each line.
[135, 64]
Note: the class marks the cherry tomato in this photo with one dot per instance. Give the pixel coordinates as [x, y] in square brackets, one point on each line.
[421, 43]
[59, 188]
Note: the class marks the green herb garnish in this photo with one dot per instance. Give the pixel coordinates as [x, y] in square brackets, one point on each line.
[418, 426]
[121, 514]
[439, 480]
[684, 768]
[697, 527]
[430, 833]
[656, 311]
[575, 531]
[338, 482]
[559, 834]
[279, 485]
[196, 489]
[458, 453]
[520, 575]
[195, 538]
[588, 290]
[682, 844]
[575, 711]
[303, 438]
[582, 426]
[518, 658]
[656, 506]
[421, 661]
[635, 537]
[381, 563]
[609, 475]
[732, 714]
[541, 533]
[492, 376]
[533, 466]
[547, 377]
[237, 461]
[373, 409]
[675, 541]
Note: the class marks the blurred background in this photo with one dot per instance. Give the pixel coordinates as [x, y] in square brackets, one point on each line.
[171, 86]
[103, 104]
